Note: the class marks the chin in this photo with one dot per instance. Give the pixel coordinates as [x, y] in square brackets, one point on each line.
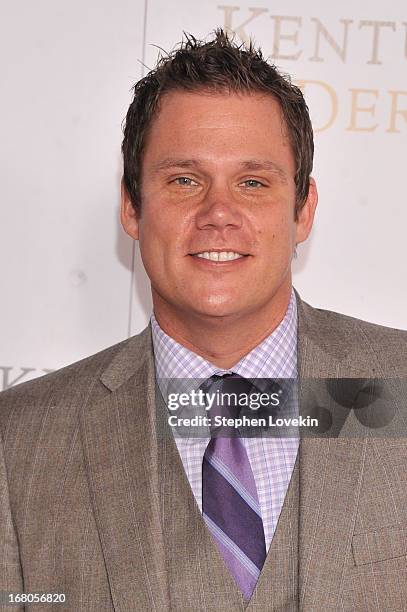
[215, 306]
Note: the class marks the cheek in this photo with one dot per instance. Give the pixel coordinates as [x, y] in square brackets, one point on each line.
[152, 242]
[276, 230]
[162, 243]
[154, 228]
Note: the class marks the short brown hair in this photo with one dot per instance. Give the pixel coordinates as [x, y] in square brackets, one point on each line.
[217, 65]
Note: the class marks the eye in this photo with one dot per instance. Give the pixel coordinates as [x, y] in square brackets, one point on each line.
[184, 181]
[252, 183]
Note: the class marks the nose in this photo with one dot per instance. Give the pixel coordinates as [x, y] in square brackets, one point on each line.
[219, 210]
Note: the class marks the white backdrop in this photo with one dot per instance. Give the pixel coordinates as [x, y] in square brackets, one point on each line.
[69, 286]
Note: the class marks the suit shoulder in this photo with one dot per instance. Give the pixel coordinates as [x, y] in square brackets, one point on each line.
[372, 343]
[71, 382]
[379, 334]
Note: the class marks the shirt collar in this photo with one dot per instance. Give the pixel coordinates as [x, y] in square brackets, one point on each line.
[274, 357]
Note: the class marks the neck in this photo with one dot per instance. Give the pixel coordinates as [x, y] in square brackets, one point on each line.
[221, 340]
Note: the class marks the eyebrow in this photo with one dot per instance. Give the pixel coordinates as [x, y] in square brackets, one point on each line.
[258, 164]
[249, 164]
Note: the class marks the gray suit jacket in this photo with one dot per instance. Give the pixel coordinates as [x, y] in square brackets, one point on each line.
[94, 502]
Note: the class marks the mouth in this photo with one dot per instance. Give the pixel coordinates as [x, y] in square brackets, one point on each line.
[219, 256]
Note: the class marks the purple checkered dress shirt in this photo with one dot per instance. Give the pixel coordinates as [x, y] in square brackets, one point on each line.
[271, 458]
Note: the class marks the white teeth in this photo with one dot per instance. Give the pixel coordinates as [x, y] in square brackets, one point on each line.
[219, 256]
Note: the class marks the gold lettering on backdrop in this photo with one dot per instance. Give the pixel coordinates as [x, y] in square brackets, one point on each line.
[364, 110]
[279, 36]
[356, 109]
[321, 29]
[376, 25]
[394, 110]
[302, 84]
[312, 35]
[239, 30]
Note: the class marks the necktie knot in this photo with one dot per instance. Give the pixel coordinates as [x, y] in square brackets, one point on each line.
[246, 407]
[225, 396]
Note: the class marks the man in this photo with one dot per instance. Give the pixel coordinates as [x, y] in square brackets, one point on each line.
[100, 501]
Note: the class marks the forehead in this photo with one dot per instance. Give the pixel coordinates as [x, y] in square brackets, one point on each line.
[219, 126]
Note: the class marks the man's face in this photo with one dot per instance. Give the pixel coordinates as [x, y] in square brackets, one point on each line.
[217, 229]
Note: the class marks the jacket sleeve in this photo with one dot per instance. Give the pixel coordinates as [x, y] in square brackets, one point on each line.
[11, 579]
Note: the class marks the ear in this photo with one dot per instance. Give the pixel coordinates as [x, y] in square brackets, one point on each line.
[306, 215]
[128, 216]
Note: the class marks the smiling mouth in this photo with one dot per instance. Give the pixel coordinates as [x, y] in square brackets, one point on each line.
[219, 256]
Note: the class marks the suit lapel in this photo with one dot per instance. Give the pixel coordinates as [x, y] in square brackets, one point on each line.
[330, 474]
[120, 448]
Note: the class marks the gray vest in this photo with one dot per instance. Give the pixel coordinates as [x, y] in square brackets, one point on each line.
[197, 576]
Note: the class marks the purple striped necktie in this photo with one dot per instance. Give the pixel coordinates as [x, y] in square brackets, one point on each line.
[230, 504]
